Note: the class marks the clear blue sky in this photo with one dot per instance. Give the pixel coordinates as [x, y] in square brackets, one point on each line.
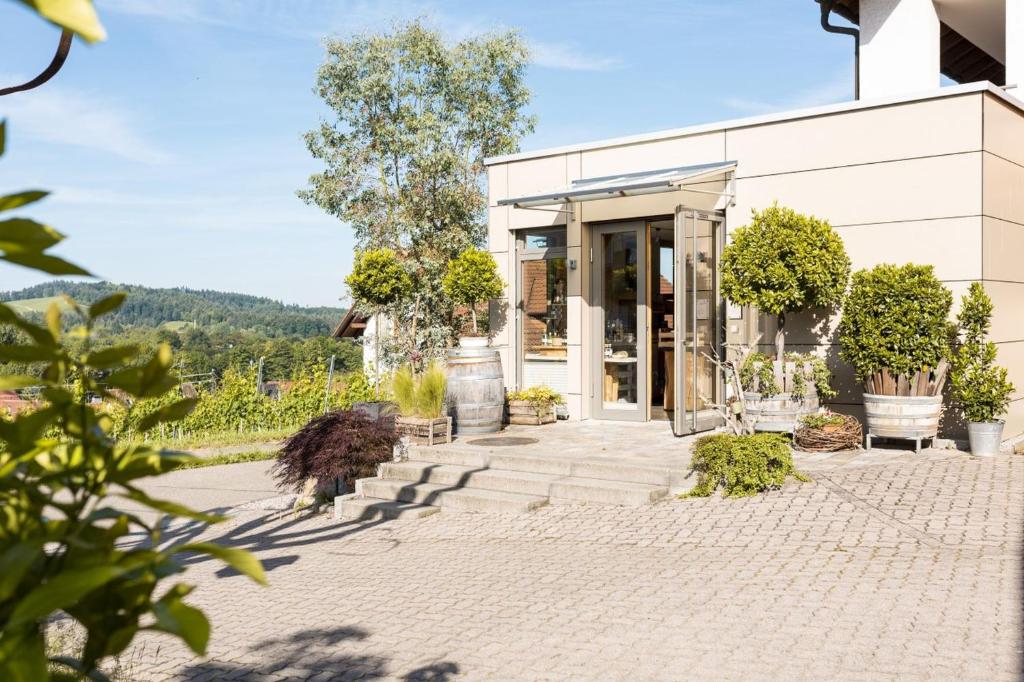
[174, 149]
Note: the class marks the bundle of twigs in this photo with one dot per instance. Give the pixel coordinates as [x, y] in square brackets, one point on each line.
[828, 432]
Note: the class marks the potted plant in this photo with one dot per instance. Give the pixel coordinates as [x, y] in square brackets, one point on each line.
[421, 405]
[377, 282]
[471, 279]
[895, 333]
[784, 262]
[979, 386]
[768, 407]
[533, 406]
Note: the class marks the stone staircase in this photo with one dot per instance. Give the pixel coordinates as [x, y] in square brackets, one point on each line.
[468, 479]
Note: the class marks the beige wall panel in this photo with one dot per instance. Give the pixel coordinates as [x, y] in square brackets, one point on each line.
[644, 206]
[536, 176]
[681, 151]
[1004, 130]
[574, 320]
[1002, 248]
[1008, 311]
[497, 183]
[574, 404]
[1011, 356]
[498, 236]
[1014, 420]
[918, 189]
[521, 218]
[930, 128]
[953, 246]
[1004, 189]
[574, 285]
[499, 315]
[575, 359]
[507, 366]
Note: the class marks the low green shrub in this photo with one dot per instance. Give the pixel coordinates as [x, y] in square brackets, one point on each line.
[742, 465]
[540, 397]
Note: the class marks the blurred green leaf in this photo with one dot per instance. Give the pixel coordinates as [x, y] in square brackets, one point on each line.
[110, 357]
[22, 656]
[78, 16]
[3, 135]
[12, 201]
[107, 304]
[51, 265]
[53, 319]
[62, 591]
[23, 234]
[177, 618]
[13, 381]
[9, 353]
[168, 413]
[14, 562]
[242, 561]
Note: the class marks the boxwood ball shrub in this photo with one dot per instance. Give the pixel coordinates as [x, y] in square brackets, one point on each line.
[980, 386]
[895, 318]
[471, 279]
[742, 465]
[785, 262]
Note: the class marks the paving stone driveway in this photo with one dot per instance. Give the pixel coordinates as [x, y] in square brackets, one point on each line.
[903, 570]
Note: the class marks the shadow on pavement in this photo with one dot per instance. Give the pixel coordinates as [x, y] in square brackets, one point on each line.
[313, 652]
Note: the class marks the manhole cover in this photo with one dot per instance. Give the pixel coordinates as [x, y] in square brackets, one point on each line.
[504, 441]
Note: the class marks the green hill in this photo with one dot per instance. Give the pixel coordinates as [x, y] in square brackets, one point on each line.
[181, 308]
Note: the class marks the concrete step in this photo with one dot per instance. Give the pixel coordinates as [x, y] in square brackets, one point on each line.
[569, 488]
[601, 468]
[353, 508]
[457, 499]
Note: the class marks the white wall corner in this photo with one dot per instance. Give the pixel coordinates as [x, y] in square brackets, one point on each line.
[1015, 45]
[899, 51]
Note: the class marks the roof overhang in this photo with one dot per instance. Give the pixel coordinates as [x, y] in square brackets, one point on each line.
[626, 185]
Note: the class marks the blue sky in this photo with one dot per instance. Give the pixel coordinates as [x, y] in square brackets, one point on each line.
[174, 149]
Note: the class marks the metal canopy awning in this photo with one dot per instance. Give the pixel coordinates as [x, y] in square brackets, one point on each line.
[626, 185]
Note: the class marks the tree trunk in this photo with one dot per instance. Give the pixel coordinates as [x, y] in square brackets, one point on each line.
[780, 338]
[472, 310]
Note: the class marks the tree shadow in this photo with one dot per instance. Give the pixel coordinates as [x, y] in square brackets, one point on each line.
[317, 651]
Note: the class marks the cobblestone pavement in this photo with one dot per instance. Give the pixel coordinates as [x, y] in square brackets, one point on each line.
[907, 569]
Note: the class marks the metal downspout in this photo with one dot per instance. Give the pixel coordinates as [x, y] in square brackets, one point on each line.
[826, 9]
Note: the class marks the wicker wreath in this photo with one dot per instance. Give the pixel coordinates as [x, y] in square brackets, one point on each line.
[841, 432]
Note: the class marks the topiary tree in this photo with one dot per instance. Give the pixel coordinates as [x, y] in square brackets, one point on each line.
[785, 262]
[980, 386]
[472, 278]
[377, 282]
[895, 318]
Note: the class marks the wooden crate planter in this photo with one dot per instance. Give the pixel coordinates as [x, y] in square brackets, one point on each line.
[526, 413]
[425, 431]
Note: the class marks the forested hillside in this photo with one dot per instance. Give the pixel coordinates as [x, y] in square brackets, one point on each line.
[211, 311]
[209, 331]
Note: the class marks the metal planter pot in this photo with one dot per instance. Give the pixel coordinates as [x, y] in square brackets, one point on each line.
[913, 418]
[778, 413]
[985, 437]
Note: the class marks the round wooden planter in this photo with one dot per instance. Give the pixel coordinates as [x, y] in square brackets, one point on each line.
[476, 390]
[780, 412]
[895, 416]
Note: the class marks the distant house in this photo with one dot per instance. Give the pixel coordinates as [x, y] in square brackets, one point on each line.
[355, 325]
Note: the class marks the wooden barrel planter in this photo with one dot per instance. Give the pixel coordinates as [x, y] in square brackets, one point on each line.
[780, 412]
[908, 417]
[476, 390]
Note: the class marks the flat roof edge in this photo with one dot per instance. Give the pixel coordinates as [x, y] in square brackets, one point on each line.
[763, 119]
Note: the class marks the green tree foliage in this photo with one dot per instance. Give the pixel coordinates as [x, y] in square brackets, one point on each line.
[785, 262]
[66, 545]
[471, 279]
[211, 311]
[378, 279]
[980, 386]
[414, 118]
[742, 465]
[895, 318]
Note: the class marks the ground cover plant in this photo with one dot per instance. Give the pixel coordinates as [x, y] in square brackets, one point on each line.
[742, 465]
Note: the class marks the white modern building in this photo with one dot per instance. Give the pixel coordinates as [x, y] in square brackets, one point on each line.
[610, 248]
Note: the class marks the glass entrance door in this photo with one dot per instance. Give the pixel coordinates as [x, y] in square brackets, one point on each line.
[619, 388]
[698, 320]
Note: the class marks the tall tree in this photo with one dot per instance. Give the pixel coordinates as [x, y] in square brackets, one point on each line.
[413, 119]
